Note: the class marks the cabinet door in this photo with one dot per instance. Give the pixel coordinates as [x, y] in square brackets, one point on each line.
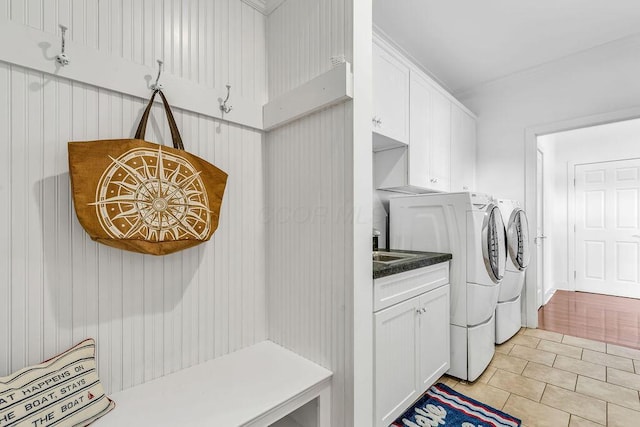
[434, 351]
[390, 96]
[420, 93]
[395, 360]
[429, 136]
[463, 150]
[440, 142]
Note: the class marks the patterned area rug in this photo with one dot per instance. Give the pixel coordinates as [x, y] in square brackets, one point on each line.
[443, 406]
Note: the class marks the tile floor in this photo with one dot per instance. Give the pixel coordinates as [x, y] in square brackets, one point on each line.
[552, 380]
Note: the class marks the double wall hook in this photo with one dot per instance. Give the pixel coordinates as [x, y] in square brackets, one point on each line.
[62, 58]
[224, 107]
[156, 85]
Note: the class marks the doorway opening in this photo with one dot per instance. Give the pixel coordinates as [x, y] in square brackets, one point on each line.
[588, 231]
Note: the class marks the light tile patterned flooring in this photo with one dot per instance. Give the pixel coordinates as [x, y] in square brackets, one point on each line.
[549, 379]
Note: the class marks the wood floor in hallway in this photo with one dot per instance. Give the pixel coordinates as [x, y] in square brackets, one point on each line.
[597, 317]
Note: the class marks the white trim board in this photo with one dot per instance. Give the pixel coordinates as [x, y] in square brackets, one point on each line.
[531, 144]
[92, 67]
[571, 223]
[328, 89]
[264, 6]
[548, 295]
[259, 5]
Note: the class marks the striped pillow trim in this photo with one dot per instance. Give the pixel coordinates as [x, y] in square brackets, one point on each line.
[62, 391]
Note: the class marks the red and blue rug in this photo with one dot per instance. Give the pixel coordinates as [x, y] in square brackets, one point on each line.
[443, 406]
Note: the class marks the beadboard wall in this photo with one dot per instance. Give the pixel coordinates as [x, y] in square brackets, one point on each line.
[208, 42]
[309, 170]
[150, 315]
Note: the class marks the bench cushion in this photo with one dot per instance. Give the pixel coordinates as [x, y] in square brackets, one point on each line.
[232, 390]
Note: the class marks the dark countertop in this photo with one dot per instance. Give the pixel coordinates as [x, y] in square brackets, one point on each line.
[424, 259]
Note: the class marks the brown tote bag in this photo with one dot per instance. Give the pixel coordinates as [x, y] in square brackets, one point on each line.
[144, 197]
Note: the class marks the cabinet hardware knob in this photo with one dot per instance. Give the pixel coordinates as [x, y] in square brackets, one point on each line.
[419, 311]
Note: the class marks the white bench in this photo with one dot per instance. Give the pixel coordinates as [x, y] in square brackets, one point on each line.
[255, 386]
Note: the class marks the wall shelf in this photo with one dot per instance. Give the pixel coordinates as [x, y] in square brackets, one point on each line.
[328, 89]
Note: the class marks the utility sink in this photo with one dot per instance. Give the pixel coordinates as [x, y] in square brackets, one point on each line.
[391, 257]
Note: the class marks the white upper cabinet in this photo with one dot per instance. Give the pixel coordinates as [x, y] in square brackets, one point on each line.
[441, 133]
[390, 119]
[463, 150]
[420, 98]
[425, 165]
[429, 135]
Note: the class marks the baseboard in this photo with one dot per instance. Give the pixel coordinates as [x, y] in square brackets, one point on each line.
[286, 422]
[548, 295]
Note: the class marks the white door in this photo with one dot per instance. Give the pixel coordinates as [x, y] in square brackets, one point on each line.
[396, 350]
[540, 237]
[607, 237]
[434, 336]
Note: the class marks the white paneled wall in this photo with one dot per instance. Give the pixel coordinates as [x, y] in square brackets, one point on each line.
[308, 240]
[309, 181]
[303, 36]
[208, 42]
[150, 315]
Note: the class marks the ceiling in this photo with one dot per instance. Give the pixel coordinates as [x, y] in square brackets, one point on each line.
[464, 43]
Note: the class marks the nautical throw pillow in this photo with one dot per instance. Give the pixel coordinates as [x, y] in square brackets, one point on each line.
[63, 391]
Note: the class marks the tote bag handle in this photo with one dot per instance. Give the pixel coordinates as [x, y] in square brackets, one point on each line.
[175, 133]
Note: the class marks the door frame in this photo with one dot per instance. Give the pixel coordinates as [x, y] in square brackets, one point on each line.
[541, 295]
[530, 160]
[571, 225]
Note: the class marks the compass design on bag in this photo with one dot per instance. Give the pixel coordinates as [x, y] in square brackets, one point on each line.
[151, 194]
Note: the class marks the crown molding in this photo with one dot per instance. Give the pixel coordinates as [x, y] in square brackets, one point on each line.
[264, 6]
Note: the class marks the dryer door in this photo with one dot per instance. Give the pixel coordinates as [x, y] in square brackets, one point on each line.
[518, 239]
[494, 243]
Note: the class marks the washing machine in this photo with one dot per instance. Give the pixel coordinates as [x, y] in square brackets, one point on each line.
[469, 226]
[508, 310]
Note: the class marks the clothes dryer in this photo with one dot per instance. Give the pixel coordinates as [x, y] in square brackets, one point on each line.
[508, 310]
[470, 227]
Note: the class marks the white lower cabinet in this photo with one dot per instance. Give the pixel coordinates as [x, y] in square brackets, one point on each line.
[433, 336]
[411, 349]
[396, 359]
